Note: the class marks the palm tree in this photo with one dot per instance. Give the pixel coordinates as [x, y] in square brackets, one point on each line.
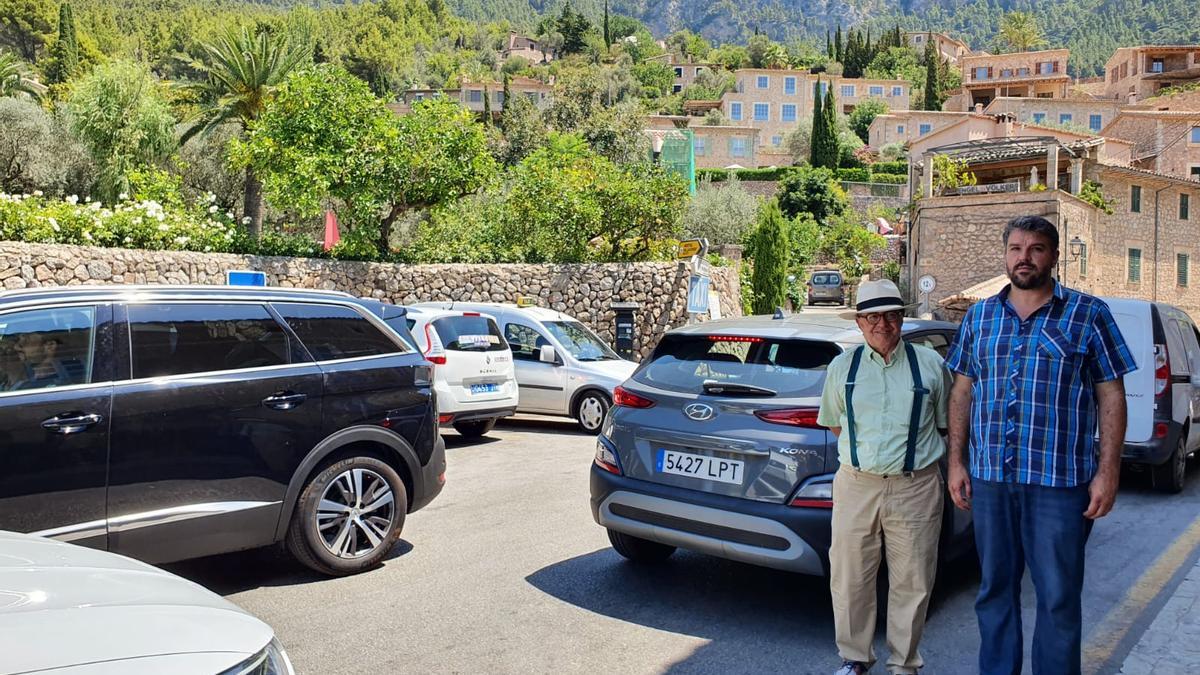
[241, 71]
[1019, 30]
[14, 80]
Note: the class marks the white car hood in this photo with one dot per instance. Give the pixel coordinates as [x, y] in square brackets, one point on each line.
[63, 605]
[613, 369]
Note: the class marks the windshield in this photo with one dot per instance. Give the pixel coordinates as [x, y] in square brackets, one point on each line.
[790, 368]
[470, 333]
[582, 343]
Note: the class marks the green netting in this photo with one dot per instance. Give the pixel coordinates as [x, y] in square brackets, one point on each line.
[677, 156]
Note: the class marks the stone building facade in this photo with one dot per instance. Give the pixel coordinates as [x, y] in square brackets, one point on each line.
[1040, 74]
[950, 49]
[1132, 74]
[714, 147]
[583, 291]
[1079, 113]
[1165, 141]
[906, 126]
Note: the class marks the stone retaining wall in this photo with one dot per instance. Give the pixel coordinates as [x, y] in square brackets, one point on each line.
[584, 291]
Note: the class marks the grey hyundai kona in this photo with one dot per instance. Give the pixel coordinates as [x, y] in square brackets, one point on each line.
[713, 444]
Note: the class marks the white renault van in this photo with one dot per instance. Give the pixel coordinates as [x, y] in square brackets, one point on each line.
[1163, 394]
[473, 374]
[563, 368]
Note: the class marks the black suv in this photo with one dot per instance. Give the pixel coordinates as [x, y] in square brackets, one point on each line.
[173, 422]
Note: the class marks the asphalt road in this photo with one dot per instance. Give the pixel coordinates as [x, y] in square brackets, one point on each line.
[507, 573]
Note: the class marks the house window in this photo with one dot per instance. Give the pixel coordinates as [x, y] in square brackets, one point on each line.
[474, 96]
[676, 88]
[1195, 136]
[699, 70]
[847, 90]
[776, 141]
[678, 72]
[762, 112]
[1083, 260]
[1185, 204]
[918, 39]
[900, 129]
[763, 82]
[735, 111]
[1194, 173]
[1022, 72]
[737, 146]
[498, 97]
[981, 73]
[897, 91]
[1135, 199]
[1064, 118]
[787, 113]
[1156, 66]
[1039, 118]
[789, 86]
[876, 90]
[1135, 266]
[1047, 67]
[923, 129]
[1006, 72]
[699, 146]
[1095, 122]
[532, 96]
[1181, 269]
[419, 97]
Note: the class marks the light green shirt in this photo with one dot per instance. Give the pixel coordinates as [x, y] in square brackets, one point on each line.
[883, 398]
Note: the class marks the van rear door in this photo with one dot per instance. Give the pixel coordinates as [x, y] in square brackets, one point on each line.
[1133, 318]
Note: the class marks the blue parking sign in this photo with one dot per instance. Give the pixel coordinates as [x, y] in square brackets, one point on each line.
[245, 278]
[698, 295]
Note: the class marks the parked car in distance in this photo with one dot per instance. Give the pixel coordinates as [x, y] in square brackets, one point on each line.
[826, 286]
[563, 368]
[1163, 394]
[170, 422]
[473, 372]
[70, 609]
[713, 445]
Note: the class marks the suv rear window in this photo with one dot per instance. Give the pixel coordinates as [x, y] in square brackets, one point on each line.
[787, 367]
[335, 332]
[827, 279]
[470, 334]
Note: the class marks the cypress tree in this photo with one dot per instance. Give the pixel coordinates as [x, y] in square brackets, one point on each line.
[828, 45]
[487, 107]
[816, 139]
[607, 34]
[832, 151]
[64, 53]
[931, 78]
[838, 54]
[769, 278]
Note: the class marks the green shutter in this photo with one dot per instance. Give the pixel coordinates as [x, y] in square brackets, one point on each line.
[1135, 265]
[1181, 269]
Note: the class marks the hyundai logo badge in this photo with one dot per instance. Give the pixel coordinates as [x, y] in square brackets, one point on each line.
[698, 412]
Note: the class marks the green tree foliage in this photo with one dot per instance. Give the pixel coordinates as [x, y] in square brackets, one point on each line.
[523, 131]
[824, 140]
[851, 245]
[122, 118]
[1019, 32]
[574, 27]
[37, 153]
[814, 191]
[615, 133]
[724, 212]
[863, 114]
[655, 78]
[26, 25]
[64, 53]
[241, 72]
[730, 56]
[689, 45]
[771, 255]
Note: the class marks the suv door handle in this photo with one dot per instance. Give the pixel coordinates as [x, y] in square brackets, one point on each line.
[284, 400]
[72, 422]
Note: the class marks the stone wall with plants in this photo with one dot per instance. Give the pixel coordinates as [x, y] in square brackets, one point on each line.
[585, 291]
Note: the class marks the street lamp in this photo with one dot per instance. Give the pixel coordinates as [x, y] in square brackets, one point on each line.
[1075, 248]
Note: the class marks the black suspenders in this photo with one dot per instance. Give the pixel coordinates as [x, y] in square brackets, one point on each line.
[914, 420]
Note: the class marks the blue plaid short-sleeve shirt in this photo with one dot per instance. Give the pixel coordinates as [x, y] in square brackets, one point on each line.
[1033, 406]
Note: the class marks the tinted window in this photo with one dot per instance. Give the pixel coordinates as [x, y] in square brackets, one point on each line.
[469, 334]
[44, 348]
[524, 341]
[788, 367]
[176, 339]
[336, 332]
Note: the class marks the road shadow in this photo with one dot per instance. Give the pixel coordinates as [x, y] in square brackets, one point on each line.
[454, 440]
[755, 619]
[562, 425]
[271, 566]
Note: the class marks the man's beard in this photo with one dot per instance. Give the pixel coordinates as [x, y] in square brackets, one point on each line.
[1037, 280]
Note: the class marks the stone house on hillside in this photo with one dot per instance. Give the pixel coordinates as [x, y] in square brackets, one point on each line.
[714, 147]
[1165, 141]
[471, 95]
[1040, 74]
[528, 48]
[1133, 74]
[950, 49]
[1079, 113]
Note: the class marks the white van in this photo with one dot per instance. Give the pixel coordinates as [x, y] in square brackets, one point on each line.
[473, 374]
[563, 368]
[1163, 394]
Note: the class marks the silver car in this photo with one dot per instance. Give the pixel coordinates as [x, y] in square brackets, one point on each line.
[713, 445]
[69, 609]
[563, 368]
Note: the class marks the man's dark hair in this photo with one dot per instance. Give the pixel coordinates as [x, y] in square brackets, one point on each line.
[1034, 224]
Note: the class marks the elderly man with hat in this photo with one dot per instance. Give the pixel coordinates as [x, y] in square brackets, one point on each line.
[885, 400]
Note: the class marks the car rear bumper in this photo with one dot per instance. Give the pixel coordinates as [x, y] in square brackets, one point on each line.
[1154, 451]
[433, 476]
[481, 414]
[759, 533]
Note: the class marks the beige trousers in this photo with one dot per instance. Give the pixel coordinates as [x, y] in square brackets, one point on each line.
[902, 514]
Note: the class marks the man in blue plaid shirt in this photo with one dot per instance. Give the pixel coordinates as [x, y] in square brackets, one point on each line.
[1035, 367]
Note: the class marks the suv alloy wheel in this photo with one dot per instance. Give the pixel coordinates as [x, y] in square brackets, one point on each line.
[349, 516]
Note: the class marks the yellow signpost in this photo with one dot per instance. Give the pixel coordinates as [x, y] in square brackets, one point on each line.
[689, 248]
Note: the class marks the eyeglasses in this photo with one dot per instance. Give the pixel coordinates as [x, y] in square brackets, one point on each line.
[894, 316]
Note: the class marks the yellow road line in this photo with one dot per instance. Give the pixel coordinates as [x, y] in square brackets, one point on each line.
[1104, 640]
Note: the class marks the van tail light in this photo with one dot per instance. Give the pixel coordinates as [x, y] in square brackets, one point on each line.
[1162, 369]
[435, 353]
[624, 398]
[793, 417]
[445, 418]
[814, 496]
[1160, 430]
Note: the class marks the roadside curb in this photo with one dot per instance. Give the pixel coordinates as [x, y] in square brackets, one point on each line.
[1172, 642]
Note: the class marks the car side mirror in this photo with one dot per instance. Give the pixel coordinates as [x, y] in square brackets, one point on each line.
[547, 355]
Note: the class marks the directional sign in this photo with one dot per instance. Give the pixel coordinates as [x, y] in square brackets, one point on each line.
[926, 283]
[698, 295]
[690, 247]
[245, 278]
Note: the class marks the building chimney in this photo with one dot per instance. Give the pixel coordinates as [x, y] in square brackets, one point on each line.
[978, 108]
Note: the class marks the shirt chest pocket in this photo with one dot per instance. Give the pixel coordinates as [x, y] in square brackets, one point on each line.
[1060, 345]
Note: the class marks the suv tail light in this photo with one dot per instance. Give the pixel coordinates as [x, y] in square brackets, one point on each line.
[625, 398]
[607, 459]
[1162, 369]
[814, 495]
[795, 417]
[435, 353]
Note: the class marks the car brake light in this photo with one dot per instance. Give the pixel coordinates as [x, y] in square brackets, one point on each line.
[624, 398]
[814, 496]
[795, 417]
[470, 313]
[1162, 369]
[733, 338]
[435, 353]
[445, 418]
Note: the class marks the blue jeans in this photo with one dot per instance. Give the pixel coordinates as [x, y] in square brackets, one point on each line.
[1042, 528]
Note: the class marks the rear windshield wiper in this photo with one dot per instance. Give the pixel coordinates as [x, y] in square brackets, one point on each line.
[733, 389]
